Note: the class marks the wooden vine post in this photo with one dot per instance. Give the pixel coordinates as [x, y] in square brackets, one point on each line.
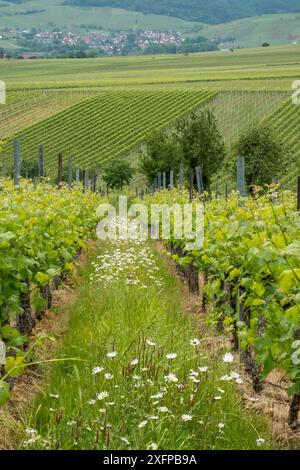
[199, 179]
[164, 180]
[59, 169]
[17, 162]
[181, 172]
[171, 179]
[241, 184]
[94, 183]
[41, 162]
[191, 189]
[70, 173]
[159, 181]
[84, 181]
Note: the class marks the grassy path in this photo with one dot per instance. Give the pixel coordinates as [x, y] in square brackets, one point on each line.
[145, 380]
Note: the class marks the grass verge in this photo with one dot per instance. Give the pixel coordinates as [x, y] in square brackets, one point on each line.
[144, 381]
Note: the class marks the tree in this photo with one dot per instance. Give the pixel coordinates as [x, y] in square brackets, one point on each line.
[202, 143]
[265, 155]
[117, 174]
[162, 155]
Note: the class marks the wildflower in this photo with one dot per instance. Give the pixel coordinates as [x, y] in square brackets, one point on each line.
[153, 418]
[163, 409]
[194, 380]
[134, 362]
[228, 358]
[221, 390]
[203, 369]
[260, 442]
[194, 342]
[296, 344]
[108, 376]
[142, 424]
[125, 440]
[150, 343]
[152, 446]
[136, 377]
[221, 425]
[226, 378]
[30, 431]
[112, 355]
[171, 356]
[101, 396]
[52, 395]
[71, 423]
[111, 403]
[171, 378]
[97, 370]
[155, 397]
[239, 381]
[217, 398]
[186, 418]
[92, 402]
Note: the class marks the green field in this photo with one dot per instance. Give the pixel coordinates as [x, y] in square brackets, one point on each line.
[107, 126]
[28, 108]
[253, 32]
[65, 18]
[259, 69]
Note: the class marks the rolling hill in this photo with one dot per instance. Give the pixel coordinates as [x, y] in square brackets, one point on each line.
[214, 12]
[252, 32]
[48, 15]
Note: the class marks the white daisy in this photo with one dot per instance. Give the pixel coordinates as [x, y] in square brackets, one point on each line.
[152, 446]
[125, 440]
[97, 370]
[163, 409]
[108, 376]
[171, 378]
[186, 417]
[157, 396]
[194, 342]
[228, 358]
[112, 355]
[134, 362]
[142, 424]
[101, 396]
[260, 442]
[171, 356]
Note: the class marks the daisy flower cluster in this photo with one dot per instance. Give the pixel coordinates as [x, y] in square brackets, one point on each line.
[127, 262]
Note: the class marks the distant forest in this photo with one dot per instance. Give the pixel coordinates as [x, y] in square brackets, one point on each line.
[206, 11]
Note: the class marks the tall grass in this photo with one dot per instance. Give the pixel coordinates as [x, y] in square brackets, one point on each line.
[130, 304]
